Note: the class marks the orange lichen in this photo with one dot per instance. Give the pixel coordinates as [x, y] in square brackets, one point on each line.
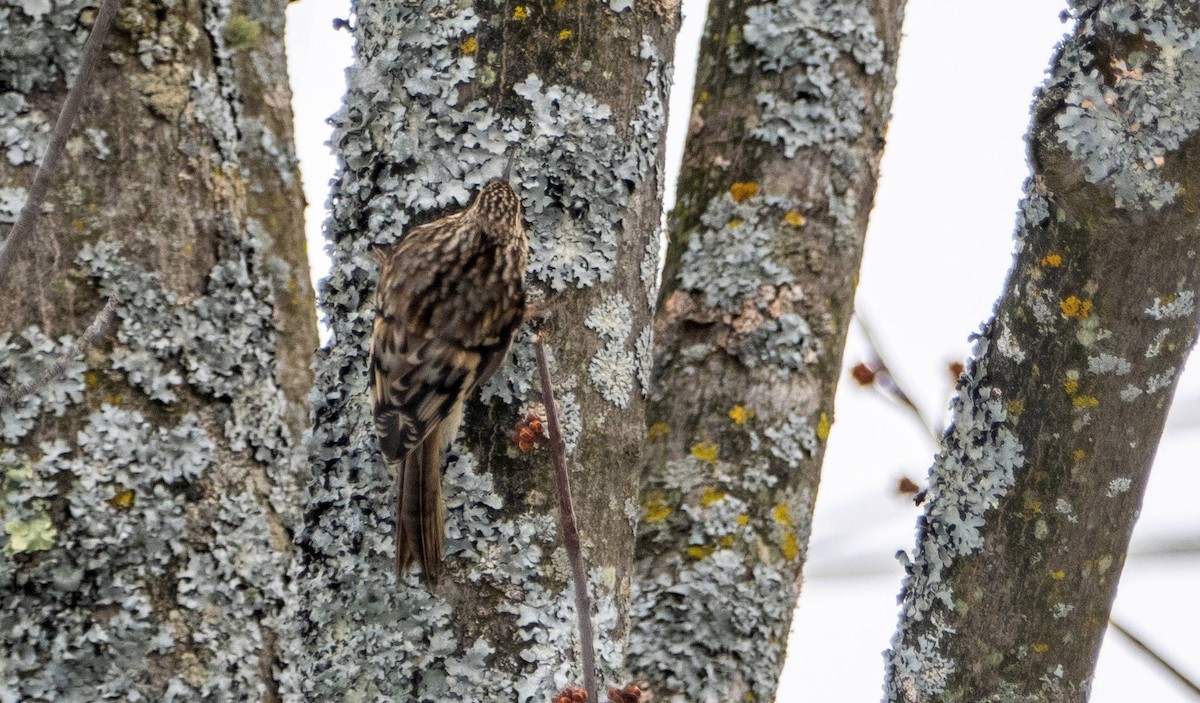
[742, 190]
[1075, 307]
[794, 218]
[1052, 260]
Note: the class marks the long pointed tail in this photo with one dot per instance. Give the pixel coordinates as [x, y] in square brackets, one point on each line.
[420, 515]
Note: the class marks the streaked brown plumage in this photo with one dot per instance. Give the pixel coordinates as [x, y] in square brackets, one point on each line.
[451, 295]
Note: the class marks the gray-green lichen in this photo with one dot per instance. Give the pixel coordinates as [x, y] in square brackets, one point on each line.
[153, 577]
[978, 464]
[732, 254]
[1114, 122]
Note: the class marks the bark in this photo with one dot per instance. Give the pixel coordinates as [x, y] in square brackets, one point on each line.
[779, 173]
[1033, 499]
[442, 95]
[148, 493]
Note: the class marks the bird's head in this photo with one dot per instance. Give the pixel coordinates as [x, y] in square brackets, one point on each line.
[499, 204]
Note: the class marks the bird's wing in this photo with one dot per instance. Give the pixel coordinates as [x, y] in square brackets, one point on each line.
[437, 332]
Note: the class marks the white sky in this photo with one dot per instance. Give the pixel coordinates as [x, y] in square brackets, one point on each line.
[937, 251]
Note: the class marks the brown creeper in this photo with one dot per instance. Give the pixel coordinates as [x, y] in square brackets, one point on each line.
[451, 294]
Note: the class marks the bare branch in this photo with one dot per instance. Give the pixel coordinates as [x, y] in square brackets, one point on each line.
[22, 229]
[566, 523]
[886, 380]
[1158, 659]
[100, 326]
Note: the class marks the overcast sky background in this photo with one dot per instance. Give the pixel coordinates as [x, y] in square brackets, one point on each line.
[937, 251]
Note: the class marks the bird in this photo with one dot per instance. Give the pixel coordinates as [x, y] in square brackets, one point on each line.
[449, 300]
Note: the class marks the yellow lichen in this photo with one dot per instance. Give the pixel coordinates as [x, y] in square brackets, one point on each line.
[782, 515]
[823, 427]
[790, 546]
[1052, 260]
[794, 218]
[565, 35]
[1079, 454]
[710, 496]
[742, 190]
[122, 499]
[735, 223]
[739, 414]
[659, 430]
[743, 520]
[726, 542]
[655, 509]
[521, 13]
[700, 551]
[91, 380]
[1071, 386]
[1035, 506]
[705, 451]
[1041, 648]
[1074, 307]
[1058, 575]
[469, 46]
[1085, 401]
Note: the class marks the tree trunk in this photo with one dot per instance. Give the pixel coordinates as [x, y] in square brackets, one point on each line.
[1033, 499]
[148, 493]
[779, 173]
[443, 94]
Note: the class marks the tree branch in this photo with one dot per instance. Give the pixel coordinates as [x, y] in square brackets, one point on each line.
[22, 229]
[567, 523]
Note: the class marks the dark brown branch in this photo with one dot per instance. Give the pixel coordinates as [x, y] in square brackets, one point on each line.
[566, 523]
[100, 326]
[22, 229]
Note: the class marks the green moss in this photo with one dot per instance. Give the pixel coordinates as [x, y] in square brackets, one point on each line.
[242, 33]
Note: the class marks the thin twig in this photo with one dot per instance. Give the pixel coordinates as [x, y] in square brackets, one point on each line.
[892, 386]
[566, 522]
[100, 326]
[22, 229]
[1148, 651]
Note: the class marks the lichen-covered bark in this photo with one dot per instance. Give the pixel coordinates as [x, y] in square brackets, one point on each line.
[148, 493]
[779, 173]
[1033, 499]
[443, 94]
